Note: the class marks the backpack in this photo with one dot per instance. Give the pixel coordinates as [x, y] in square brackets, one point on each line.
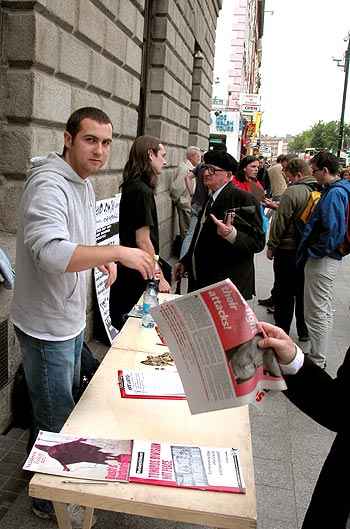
[315, 194]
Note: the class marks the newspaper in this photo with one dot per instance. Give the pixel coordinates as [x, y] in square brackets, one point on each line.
[80, 457]
[152, 384]
[212, 334]
[107, 233]
[186, 466]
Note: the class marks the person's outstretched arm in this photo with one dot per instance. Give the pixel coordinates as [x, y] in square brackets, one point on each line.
[311, 389]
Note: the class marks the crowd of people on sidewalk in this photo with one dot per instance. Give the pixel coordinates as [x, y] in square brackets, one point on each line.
[223, 207]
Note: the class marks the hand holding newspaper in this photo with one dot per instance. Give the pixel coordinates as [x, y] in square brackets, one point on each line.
[212, 334]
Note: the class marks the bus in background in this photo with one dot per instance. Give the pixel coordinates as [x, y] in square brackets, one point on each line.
[309, 153]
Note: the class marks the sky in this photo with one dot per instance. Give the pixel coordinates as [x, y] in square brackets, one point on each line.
[301, 84]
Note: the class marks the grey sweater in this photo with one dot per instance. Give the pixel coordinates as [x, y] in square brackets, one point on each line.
[57, 213]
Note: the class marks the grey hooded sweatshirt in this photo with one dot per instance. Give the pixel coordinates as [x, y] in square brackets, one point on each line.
[57, 213]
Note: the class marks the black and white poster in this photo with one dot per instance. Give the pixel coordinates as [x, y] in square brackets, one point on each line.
[107, 232]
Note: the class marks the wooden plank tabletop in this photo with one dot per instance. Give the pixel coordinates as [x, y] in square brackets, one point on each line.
[103, 413]
[134, 337]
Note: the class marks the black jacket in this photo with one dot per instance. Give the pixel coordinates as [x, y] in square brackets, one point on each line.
[218, 259]
[326, 400]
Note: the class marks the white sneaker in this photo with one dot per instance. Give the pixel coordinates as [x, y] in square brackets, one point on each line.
[77, 513]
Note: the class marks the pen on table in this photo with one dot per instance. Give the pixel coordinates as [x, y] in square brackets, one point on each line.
[86, 482]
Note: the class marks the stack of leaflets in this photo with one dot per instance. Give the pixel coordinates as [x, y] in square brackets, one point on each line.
[147, 462]
[151, 384]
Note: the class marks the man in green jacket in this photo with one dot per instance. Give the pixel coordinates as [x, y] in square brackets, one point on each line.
[282, 246]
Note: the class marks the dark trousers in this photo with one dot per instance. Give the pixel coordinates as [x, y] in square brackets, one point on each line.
[288, 292]
[125, 292]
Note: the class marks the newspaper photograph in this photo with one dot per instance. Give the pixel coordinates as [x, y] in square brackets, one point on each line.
[186, 466]
[77, 457]
[213, 334]
[152, 384]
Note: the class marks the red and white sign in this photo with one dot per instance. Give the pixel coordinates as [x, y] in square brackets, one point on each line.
[250, 103]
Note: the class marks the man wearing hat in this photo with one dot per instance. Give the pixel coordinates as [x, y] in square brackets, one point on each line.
[224, 241]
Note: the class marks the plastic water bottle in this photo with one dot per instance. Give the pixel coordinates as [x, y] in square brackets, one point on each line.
[150, 299]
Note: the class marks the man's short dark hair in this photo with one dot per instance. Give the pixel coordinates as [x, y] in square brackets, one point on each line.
[325, 159]
[74, 121]
[296, 165]
[96, 114]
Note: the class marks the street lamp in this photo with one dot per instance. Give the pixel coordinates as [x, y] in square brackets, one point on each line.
[346, 70]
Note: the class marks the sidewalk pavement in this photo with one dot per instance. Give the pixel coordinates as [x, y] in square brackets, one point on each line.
[288, 447]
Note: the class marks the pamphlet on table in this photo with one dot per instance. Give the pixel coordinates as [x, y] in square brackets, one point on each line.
[193, 467]
[75, 456]
[151, 384]
[212, 334]
[146, 462]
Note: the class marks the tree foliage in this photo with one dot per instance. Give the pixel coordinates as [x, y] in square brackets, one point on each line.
[321, 136]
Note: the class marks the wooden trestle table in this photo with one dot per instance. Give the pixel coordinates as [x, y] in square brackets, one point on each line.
[102, 413]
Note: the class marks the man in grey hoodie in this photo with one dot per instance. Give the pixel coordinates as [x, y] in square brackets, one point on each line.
[55, 249]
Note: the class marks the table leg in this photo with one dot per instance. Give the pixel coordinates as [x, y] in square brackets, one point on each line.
[88, 516]
[63, 518]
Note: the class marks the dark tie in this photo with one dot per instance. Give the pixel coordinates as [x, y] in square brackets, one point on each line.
[208, 206]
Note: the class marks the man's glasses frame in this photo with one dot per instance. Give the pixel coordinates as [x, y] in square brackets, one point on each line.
[212, 170]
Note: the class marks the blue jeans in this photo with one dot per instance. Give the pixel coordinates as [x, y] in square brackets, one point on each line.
[52, 371]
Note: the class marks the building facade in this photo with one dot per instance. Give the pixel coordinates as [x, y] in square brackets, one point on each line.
[238, 72]
[273, 146]
[147, 63]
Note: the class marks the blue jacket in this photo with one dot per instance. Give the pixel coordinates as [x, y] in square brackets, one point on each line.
[327, 226]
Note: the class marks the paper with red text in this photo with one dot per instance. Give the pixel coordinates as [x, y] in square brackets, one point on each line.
[151, 384]
[74, 456]
[212, 334]
[186, 466]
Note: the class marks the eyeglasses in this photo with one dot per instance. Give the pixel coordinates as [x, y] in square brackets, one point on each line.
[211, 170]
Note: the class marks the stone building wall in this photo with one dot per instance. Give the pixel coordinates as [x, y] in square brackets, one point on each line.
[59, 55]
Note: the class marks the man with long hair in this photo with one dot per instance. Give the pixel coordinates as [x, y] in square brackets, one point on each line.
[138, 221]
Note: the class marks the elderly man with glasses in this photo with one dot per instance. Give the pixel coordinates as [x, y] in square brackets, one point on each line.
[228, 231]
